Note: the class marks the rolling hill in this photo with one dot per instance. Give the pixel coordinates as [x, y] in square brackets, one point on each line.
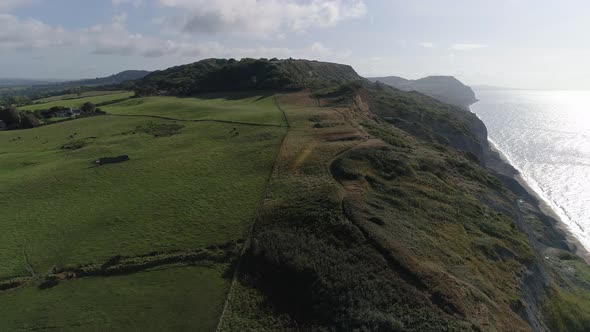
[22, 82]
[212, 75]
[33, 89]
[277, 195]
[124, 76]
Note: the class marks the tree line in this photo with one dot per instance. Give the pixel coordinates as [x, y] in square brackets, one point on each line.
[14, 118]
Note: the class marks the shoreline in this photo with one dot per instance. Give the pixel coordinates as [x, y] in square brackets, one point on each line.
[575, 244]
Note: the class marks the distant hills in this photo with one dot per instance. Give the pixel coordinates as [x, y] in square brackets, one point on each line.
[36, 89]
[444, 88]
[124, 76]
[212, 75]
[127, 75]
[13, 82]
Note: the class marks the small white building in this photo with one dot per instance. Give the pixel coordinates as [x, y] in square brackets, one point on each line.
[68, 112]
[75, 112]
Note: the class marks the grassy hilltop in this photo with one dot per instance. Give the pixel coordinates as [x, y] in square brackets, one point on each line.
[302, 198]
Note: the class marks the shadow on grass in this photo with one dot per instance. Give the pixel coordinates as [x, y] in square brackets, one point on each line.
[236, 95]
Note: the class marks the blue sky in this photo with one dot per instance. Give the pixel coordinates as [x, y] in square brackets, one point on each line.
[518, 43]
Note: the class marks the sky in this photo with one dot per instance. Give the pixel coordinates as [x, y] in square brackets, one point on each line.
[540, 44]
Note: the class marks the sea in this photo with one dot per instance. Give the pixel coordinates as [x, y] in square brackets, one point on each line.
[545, 135]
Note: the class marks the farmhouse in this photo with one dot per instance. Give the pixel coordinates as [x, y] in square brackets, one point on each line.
[62, 112]
[68, 112]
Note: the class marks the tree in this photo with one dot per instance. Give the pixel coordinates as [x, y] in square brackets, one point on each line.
[147, 90]
[10, 115]
[28, 120]
[88, 108]
[17, 100]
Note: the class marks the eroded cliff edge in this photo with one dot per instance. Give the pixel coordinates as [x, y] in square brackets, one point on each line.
[387, 210]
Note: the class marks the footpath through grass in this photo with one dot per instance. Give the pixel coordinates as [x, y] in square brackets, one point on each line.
[187, 185]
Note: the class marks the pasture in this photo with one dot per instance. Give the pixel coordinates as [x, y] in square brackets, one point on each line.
[77, 102]
[187, 185]
[77, 96]
[242, 108]
[180, 299]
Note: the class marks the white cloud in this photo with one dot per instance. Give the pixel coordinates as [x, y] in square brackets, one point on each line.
[7, 5]
[26, 34]
[260, 17]
[114, 38]
[427, 44]
[135, 3]
[467, 47]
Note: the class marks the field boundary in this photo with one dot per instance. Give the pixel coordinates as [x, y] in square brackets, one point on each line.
[254, 219]
[81, 97]
[123, 265]
[198, 120]
[282, 111]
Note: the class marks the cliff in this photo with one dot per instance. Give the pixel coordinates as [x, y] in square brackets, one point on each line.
[388, 211]
[447, 89]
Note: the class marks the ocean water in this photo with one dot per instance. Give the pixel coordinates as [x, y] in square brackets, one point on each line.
[546, 136]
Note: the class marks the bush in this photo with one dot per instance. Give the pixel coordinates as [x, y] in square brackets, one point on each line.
[28, 120]
[11, 116]
[88, 108]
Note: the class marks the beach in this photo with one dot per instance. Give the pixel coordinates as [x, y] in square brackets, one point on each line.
[509, 170]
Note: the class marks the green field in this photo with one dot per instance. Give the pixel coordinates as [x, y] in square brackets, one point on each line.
[77, 96]
[244, 108]
[179, 299]
[77, 102]
[188, 185]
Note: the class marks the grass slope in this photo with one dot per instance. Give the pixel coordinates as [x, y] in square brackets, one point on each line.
[241, 107]
[177, 192]
[188, 185]
[179, 299]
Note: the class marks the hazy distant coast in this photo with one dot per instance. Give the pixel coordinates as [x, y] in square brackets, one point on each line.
[447, 89]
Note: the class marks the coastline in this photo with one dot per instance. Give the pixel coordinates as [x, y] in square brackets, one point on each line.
[574, 243]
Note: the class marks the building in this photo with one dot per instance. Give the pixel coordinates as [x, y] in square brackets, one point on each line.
[67, 112]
